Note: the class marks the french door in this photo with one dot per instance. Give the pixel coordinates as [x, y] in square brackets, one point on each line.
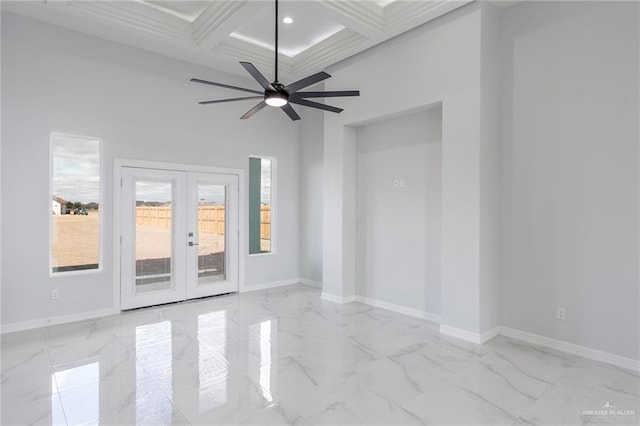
[179, 236]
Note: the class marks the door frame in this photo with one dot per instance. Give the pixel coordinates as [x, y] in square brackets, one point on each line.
[119, 163]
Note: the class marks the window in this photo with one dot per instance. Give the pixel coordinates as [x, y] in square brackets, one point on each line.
[75, 203]
[261, 205]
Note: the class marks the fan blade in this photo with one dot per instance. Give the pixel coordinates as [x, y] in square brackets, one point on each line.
[307, 81]
[257, 75]
[312, 104]
[253, 110]
[230, 100]
[326, 94]
[288, 109]
[226, 86]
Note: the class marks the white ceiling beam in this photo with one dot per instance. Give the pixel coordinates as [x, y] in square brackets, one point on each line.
[364, 17]
[401, 15]
[220, 19]
[329, 51]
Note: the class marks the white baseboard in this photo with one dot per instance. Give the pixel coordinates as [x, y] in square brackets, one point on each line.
[272, 284]
[412, 312]
[62, 319]
[467, 335]
[312, 283]
[590, 353]
[337, 299]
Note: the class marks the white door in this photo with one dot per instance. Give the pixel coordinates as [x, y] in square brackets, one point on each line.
[212, 234]
[179, 236]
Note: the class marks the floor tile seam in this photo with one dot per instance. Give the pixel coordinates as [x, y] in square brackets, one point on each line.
[17, 369]
[561, 386]
[214, 382]
[18, 406]
[468, 391]
[52, 344]
[558, 380]
[155, 382]
[392, 407]
[485, 400]
[33, 401]
[413, 415]
[394, 404]
[371, 351]
[348, 373]
[524, 414]
[546, 384]
[55, 380]
[449, 379]
[77, 389]
[516, 366]
[453, 351]
[173, 407]
[539, 350]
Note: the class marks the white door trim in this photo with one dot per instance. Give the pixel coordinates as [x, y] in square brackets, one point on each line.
[119, 163]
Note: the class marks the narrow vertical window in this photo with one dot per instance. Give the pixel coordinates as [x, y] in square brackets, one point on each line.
[75, 203]
[261, 205]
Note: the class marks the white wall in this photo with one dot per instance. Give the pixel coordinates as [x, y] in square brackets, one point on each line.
[438, 62]
[144, 107]
[311, 148]
[398, 228]
[571, 217]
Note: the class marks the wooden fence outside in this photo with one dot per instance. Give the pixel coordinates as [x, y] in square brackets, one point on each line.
[210, 219]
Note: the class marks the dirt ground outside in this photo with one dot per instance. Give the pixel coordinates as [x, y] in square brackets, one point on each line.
[76, 241]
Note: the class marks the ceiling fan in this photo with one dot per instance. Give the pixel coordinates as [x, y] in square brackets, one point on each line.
[277, 94]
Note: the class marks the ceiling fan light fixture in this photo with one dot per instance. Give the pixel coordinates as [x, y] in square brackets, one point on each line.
[277, 94]
[276, 99]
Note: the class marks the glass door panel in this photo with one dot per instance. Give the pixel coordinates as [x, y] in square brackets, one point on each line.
[154, 236]
[212, 201]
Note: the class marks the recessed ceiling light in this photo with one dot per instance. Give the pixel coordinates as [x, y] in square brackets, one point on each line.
[287, 20]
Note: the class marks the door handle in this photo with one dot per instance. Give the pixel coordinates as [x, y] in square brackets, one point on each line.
[191, 244]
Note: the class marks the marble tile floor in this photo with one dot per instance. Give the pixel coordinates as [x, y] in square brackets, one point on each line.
[284, 356]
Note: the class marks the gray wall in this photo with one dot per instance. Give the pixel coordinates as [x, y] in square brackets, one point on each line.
[144, 107]
[570, 190]
[398, 228]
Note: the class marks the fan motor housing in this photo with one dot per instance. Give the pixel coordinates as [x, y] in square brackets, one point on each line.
[278, 97]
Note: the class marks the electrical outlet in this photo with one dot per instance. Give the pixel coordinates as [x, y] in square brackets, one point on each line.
[561, 314]
[54, 294]
[396, 183]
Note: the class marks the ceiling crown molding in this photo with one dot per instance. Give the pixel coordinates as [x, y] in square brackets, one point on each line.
[333, 49]
[362, 16]
[136, 16]
[410, 14]
[213, 16]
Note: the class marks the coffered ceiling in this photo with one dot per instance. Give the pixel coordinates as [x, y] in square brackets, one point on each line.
[218, 34]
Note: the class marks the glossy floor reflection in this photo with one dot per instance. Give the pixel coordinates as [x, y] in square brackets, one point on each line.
[285, 356]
